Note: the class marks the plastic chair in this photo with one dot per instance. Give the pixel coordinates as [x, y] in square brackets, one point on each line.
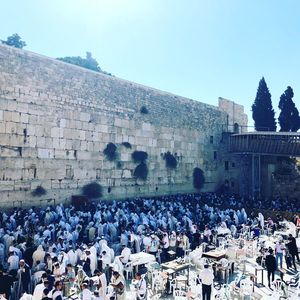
[159, 285]
[280, 287]
[128, 269]
[172, 286]
[247, 286]
[180, 295]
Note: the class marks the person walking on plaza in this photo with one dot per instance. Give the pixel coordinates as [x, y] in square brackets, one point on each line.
[293, 249]
[207, 278]
[279, 248]
[271, 266]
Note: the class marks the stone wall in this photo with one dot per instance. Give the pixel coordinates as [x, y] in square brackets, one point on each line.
[237, 120]
[56, 119]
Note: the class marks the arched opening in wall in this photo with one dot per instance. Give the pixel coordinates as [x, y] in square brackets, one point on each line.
[236, 128]
[109, 190]
[156, 189]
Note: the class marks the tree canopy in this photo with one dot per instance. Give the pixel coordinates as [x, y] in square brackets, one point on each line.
[14, 41]
[88, 62]
[289, 119]
[262, 110]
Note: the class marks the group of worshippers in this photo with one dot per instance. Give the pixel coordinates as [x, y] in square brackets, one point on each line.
[284, 250]
[85, 250]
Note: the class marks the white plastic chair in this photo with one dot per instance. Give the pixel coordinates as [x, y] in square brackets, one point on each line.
[172, 286]
[128, 269]
[180, 295]
[280, 287]
[247, 286]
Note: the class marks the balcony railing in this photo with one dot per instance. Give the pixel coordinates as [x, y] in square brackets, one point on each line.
[268, 143]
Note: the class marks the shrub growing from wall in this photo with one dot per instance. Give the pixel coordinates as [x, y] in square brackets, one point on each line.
[141, 171]
[38, 191]
[171, 161]
[126, 145]
[139, 156]
[110, 151]
[92, 190]
[198, 178]
[144, 110]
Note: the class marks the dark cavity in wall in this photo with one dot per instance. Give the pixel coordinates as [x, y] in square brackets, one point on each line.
[25, 135]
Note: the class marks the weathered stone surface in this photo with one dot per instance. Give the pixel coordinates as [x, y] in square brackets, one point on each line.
[56, 119]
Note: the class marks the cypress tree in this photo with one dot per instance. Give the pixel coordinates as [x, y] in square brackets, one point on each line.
[289, 119]
[262, 110]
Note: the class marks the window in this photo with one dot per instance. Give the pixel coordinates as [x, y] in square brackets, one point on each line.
[236, 128]
[211, 139]
[233, 165]
[215, 155]
[226, 165]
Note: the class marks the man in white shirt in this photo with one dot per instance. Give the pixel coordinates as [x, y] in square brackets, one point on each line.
[38, 290]
[141, 287]
[106, 261]
[166, 245]
[279, 248]
[154, 245]
[207, 234]
[86, 294]
[125, 254]
[102, 284]
[38, 255]
[207, 278]
[72, 257]
[13, 261]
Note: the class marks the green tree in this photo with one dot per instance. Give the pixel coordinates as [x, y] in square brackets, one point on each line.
[289, 119]
[88, 62]
[262, 110]
[14, 41]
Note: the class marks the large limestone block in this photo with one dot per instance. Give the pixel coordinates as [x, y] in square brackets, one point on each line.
[85, 117]
[6, 185]
[126, 174]
[45, 153]
[57, 132]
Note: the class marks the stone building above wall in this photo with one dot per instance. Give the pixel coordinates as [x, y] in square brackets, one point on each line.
[56, 119]
[237, 120]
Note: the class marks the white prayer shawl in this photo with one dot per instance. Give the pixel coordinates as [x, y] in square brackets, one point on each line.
[102, 290]
[261, 220]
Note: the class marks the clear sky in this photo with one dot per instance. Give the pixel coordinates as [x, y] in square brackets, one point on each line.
[201, 49]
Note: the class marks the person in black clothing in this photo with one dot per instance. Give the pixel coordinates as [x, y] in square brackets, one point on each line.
[196, 240]
[6, 282]
[30, 248]
[51, 279]
[293, 250]
[24, 273]
[271, 266]
[46, 294]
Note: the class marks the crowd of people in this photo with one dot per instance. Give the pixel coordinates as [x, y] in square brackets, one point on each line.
[84, 250]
